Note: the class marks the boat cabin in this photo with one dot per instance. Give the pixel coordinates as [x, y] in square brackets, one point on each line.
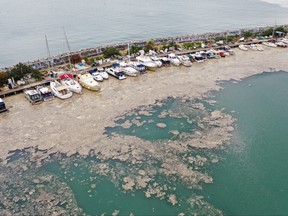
[2, 106]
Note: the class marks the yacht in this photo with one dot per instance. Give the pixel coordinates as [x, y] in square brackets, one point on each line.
[147, 62]
[59, 90]
[88, 82]
[33, 96]
[173, 59]
[116, 73]
[156, 60]
[103, 73]
[2, 106]
[269, 44]
[74, 86]
[128, 70]
[138, 66]
[96, 75]
[185, 60]
[165, 62]
[243, 47]
[45, 93]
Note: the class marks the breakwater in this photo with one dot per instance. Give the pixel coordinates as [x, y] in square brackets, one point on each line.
[90, 52]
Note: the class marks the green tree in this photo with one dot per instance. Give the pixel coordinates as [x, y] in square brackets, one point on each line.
[3, 78]
[20, 71]
[110, 51]
[134, 49]
[248, 34]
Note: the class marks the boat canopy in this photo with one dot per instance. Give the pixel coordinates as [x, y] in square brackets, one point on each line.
[65, 76]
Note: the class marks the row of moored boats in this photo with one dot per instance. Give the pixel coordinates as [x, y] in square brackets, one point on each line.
[68, 84]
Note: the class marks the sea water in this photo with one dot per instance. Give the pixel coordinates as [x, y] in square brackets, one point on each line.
[252, 178]
[91, 23]
[249, 179]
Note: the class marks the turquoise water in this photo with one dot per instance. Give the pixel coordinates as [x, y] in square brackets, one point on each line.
[249, 179]
[92, 23]
[252, 180]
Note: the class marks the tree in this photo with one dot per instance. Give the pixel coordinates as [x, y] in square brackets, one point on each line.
[248, 34]
[150, 45]
[21, 71]
[3, 78]
[110, 51]
[135, 49]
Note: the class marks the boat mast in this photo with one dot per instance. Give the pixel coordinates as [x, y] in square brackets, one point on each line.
[129, 52]
[68, 48]
[48, 51]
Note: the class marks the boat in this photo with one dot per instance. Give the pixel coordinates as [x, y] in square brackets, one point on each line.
[59, 90]
[103, 73]
[197, 57]
[269, 44]
[33, 96]
[73, 85]
[96, 75]
[88, 82]
[185, 60]
[253, 47]
[243, 47]
[119, 74]
[138, 66]
[165, 62]
[147, 62]
[281, 44]
[45, 93]
[3, 107]
[259, 47]
[173, 59]
[128, 70]
[157, 61]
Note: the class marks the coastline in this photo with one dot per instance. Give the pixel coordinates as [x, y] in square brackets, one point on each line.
[78, 125]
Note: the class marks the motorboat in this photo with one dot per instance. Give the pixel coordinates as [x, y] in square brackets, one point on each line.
[138, 66]
[173, 59]
[59, 90]
[119, 74]
[259, 47]
[88, 82]
[3, 107]
[253, 47]
[96, 75]
[33, 96]
[103, 73]
[128, 70]
[198, 57]
[45, 93]
[165, 62]
[185, 60]
[281, 44]
[73, 85]
[243, 47]
[147, 62]
[156, 60]
[269, 44]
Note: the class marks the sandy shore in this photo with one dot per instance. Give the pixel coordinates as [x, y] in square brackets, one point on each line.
[77, 124]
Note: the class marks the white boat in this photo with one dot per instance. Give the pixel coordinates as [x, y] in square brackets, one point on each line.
[33, 96]
[128, 70]
[96, 75]
[281, 44]
[269, 44]
[59, 90]
[253, 47]
[243, 47]
[165, 62]
[103, 73]
[147, 62]
[116, 73]
[88, 82]
[3, 107]
[73, 85]
[199, 58]
[137, 66]
[156, 60]
[173, 59]
[259, 47]
[185, 60]
[45, 93]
